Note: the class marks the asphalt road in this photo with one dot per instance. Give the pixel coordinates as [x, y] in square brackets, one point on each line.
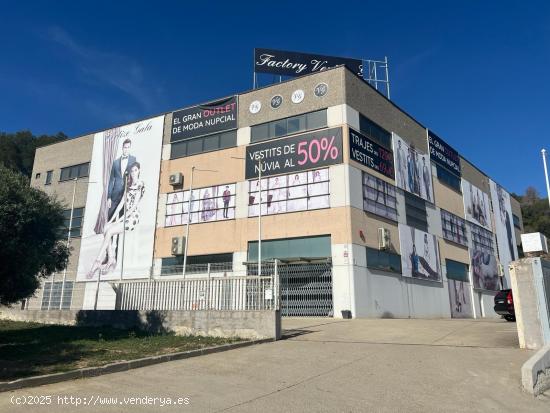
[323, 365]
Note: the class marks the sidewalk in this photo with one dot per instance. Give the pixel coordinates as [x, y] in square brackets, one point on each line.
[332, 365]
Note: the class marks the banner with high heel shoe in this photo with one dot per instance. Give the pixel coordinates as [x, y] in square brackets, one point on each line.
[120, 212]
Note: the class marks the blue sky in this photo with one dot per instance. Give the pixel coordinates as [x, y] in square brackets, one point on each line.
[476, 72]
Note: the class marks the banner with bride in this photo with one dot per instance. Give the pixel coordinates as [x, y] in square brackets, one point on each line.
[119, 219]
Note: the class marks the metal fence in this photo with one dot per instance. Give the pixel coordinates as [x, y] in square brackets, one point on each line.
[225, 293]
[297, 289]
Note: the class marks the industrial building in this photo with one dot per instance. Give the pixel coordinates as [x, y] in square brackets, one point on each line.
[374, 212]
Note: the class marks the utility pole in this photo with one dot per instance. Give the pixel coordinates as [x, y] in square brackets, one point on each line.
[188, 221]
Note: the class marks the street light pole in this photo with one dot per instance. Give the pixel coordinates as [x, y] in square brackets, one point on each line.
[188, 221]
[260, 218]
[546, 174]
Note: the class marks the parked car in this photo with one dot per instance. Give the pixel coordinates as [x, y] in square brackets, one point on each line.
[504, 305]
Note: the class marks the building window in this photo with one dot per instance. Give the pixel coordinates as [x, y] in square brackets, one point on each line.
[482, 239]
[517, 222]
[383, 260]
[448, 178]
[375, 132]
[76, 226]
[203, 144]
[288, 126]
[52, 297]
[76, 171]
[454, 228]
[214, 203]
[197, 264]
[415, 208]
[37, 175]
[49, 175]
[288, 248]
[457, 270]
[302, 191]
[379, 197]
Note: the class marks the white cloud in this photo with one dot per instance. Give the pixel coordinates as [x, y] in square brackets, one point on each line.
[112, 69]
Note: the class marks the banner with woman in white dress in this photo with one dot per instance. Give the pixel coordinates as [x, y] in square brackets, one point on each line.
[119, 219]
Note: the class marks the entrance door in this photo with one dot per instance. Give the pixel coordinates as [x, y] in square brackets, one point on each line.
[306, 289]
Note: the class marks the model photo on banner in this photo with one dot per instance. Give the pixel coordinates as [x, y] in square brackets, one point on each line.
[504, 226]
[476, 205]
[484, 270]
[459, 296]
[300, 191]
[413, 169]
[419, 254]
[213, 203]
[119, 221]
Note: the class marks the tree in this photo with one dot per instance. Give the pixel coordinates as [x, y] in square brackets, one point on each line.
[32, 244]
[535, 211]
[17, 149]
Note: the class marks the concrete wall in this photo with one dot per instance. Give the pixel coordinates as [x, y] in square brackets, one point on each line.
[366, 100]
[529, 278]
[335, 96]
[53, 158]
[244, 324]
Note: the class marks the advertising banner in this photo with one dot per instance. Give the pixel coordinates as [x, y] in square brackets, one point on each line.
[297, 153]
[370, 154]
[484, 270]
[301, 191]
[444, 154]
[504, 227]
[419, 254]
[379, 197]
[204, 119]
[280, 62]
[483, 261]
[213, 203]
[460, 299]
[413, 171]
[476, 205]
[126, 156]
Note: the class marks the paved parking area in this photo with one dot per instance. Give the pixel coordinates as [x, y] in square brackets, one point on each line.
[327, 365]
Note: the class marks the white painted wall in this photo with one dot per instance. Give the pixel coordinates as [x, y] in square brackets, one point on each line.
[335, 115]
[106, 299]
[381, 294]
[484, 302]
[243, 136]
[166, 152]
[342, 279]
[351, 117]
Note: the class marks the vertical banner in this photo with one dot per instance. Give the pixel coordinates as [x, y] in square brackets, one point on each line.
[419, 254]
[460, 299]
[504, 227]
[476, 205]
[128, 154]
[413, 170]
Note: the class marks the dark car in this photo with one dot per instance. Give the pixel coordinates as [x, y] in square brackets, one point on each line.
[504, 305]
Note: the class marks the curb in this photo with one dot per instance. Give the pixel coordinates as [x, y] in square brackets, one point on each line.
[121, 366]
[535, 372]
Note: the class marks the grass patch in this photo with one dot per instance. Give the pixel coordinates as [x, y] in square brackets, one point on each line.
[32, 349]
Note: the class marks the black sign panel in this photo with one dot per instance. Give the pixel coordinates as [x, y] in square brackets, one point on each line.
[443, 154]
[298, 153]
[204, 119]
[370, 154]
[284, 63]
